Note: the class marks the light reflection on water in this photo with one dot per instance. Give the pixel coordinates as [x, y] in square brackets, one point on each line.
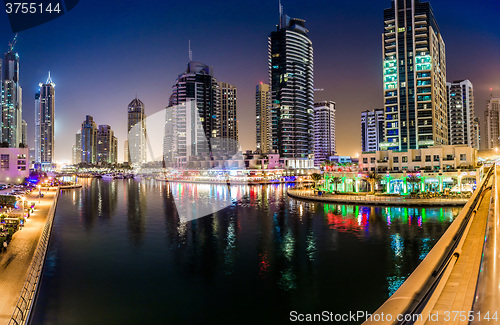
[120, 251]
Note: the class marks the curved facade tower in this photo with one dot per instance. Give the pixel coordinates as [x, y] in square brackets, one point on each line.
[292, 89]
[136, 132]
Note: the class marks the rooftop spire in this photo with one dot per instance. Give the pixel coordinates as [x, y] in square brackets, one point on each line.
[281, 12]
[49, 80]
[190, 52]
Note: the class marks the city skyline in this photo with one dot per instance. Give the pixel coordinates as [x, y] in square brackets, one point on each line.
[357, 49]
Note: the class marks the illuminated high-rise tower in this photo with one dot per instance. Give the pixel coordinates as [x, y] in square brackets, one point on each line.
[193, 115]
[461, 115]
[492, 123]
[11, 103]
[414, 75]
[292, 89]
[263, 118]
[88, 141]
[136, 132]
[324, 131]
[107, 145]
[227, 126]
[44, 122]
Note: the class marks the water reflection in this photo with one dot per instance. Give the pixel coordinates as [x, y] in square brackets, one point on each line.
[263, 252]
[136, 210]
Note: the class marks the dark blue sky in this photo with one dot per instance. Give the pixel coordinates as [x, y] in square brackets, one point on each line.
[101, 52]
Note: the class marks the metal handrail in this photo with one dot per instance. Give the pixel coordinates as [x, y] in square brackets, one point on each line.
[426, 278]
[24, 305]
[487, 295]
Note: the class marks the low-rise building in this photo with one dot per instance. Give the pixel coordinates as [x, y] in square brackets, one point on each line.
[437, 158]
[14, 165]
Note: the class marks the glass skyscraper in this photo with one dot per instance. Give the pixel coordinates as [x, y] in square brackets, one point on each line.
[44, 122]
[461, 113]
[136, 135]
[11, 102]
[414, 73]
[263, 117]
[292, 89]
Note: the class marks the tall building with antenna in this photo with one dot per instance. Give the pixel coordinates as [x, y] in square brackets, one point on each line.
[291, 81]
[11, 103]
[200, 120]
[44, 123]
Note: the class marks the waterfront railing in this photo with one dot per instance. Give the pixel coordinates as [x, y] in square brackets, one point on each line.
[24, 305]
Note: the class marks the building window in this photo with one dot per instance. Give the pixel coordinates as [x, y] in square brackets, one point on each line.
[417, 158]
[462, 157]
[396, 169]
[436, 157]
[365, 160]
[372, 160]
[428, 158]
[395, 159]
[4, 162]
[405, 159]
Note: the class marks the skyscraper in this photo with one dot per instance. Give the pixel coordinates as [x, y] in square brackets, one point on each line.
[292, 89]
[193, 116]
[89, 140]
[24, 133]
[324, 131]
[44, 122]
[136, 132]
[126, 154]
[77, 149]
[492, 124]
[461, 113]
[12, 108]
[107, 145]
[414, 75]
[372, 129]
[476, 134]
[228, 124]
[263, 118]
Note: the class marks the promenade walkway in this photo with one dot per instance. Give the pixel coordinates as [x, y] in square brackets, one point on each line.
[15, 262]
[374, 200]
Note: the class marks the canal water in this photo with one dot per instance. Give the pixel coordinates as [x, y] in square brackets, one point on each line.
[121, 254]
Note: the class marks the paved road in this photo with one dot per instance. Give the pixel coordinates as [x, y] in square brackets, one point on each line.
[14, 263]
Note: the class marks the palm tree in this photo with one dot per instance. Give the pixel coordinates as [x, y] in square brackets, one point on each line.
[412, 180]
[373, 178]
[316, 178]
[336, 180]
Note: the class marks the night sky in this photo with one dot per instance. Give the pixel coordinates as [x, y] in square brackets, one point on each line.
[102, 52]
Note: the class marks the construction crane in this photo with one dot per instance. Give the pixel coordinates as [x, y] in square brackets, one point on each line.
[13, 43]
